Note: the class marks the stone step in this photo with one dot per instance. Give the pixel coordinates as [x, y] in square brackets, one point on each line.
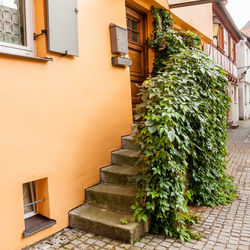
[234, 126]
[124, 157]
[120, 175]
[134, 128]
[128, 142]
[106, 223]
[113, 197]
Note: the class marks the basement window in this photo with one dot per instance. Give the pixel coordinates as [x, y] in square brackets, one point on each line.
[34, 220]
[29, 199]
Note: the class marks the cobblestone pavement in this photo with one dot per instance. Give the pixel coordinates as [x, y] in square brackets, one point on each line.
[223, 227]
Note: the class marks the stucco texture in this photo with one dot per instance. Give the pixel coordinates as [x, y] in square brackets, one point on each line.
[199, 17]
[60, 120]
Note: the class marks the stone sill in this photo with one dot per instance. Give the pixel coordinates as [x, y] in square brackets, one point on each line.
[45, 59]
[36, 224]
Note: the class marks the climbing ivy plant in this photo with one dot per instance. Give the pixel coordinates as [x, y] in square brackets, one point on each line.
[181, 132]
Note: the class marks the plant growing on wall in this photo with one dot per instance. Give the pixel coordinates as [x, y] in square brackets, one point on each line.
[181, 132]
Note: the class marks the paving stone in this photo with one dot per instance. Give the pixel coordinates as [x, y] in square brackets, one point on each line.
[106, 240]
[76, 242]
[242, 247]
[83, 238]
[139, 244]
[126, 246]
[90, 241]
[70, 246]
[135, 248]
[165, 244]
[245, 243]
[153, 243]
[157, 240]
[109, 246]
[160, 248]
[89, 235]
[100, 243]
[83, 246]
[208, 247]
[145, 240]
[149, 247]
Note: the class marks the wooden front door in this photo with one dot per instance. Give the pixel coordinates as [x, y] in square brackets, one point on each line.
[136, 22]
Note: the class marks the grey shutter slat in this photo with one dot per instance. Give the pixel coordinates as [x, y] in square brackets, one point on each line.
[63, 26]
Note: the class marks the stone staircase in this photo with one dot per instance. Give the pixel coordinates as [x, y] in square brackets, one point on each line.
[109, 202]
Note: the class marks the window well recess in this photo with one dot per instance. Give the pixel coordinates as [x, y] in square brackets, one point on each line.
[35, 199]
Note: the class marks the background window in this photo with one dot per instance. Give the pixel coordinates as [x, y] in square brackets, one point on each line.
[234, 52]
[12, 22]
[229, 46]
[220, 37]
[16, 26]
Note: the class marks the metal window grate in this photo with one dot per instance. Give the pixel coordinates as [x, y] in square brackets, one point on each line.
[33, 203]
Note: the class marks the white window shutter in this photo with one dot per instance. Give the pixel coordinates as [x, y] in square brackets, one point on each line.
[63, 26]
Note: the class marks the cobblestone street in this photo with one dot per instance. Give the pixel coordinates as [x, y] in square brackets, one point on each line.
[223, 227]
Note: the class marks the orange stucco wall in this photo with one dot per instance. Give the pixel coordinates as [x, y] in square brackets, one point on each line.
[199, 17]
[60, 120]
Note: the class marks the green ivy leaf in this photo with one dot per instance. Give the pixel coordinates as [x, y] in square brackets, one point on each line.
[185, 101]
[152, 129]
[171, 136]
[149, 123]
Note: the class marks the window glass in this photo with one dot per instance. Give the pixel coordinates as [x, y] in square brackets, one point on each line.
[135, 25]
[133, 30]
[12, 22]
[221, 37]
[128, 23]
[29, 196]
[135, 37]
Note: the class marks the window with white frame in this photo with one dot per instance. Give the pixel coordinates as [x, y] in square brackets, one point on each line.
[17, 27]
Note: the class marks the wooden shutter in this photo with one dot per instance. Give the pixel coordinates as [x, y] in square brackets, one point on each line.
[220, 38]
[63, 26]
[229, 46]
[234, 51]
